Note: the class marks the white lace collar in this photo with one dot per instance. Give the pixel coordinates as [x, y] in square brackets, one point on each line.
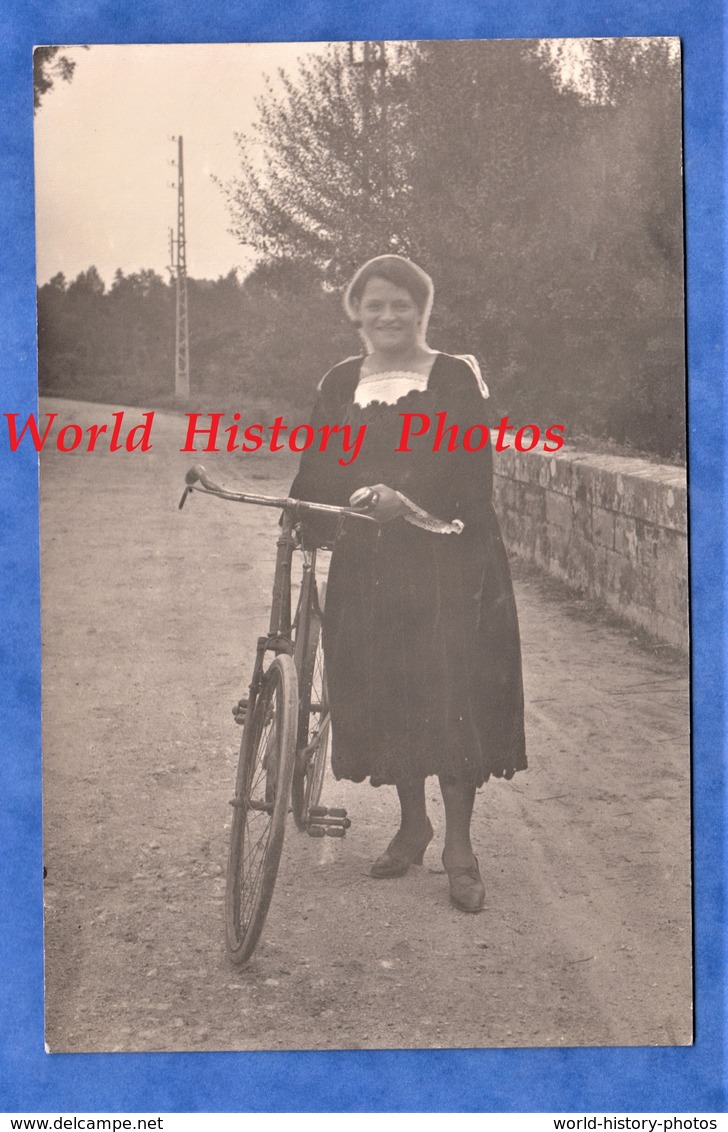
[387, 387]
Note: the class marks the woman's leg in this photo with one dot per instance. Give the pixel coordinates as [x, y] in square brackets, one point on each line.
[466, 885]
[413, 836]
[458, 798]
[413, 808]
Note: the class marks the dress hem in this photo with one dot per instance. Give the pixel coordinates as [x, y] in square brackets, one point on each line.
[506, 772]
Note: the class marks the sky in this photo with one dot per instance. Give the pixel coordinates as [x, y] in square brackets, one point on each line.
[102, 150]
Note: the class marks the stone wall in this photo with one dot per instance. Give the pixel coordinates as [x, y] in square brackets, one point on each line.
[611, 527]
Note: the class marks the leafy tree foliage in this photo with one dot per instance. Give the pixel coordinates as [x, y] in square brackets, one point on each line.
[50, 64]
[324, 173]
[107, 345]
[542, 196]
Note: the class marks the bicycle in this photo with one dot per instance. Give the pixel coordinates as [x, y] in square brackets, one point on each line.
[286, 727]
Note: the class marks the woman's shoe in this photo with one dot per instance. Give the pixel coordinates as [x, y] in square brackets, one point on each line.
[400, 854]
[467, 891]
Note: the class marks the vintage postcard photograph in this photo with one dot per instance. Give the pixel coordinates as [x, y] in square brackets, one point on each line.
[363, 522]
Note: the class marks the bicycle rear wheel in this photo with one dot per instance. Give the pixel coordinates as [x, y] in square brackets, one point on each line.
[260, 807]
[314, 723]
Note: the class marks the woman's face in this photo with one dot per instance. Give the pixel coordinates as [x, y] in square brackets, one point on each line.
[389, 316]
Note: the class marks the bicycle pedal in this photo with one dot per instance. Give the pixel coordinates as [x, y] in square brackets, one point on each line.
[328, 830]
[324, 822]
[240, 711]
[324, 812]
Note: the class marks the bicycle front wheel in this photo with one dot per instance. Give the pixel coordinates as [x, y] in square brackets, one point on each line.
[260, 807]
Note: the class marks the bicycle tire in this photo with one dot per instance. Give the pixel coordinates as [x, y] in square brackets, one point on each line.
[260, 807]
[314, 724]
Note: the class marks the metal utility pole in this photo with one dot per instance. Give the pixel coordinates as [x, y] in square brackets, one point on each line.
[178, 268]
[373, 62]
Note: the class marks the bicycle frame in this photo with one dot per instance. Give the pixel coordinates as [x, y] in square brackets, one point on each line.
[278, 639]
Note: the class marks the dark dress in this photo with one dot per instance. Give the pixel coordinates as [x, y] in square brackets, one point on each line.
[420, 628]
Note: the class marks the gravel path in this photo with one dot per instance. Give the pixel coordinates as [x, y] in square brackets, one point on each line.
[149, 620]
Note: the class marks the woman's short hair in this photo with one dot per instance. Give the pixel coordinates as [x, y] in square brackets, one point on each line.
[398, 271]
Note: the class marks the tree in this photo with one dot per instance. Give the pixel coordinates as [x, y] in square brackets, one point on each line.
[56, 338]
[49, 65]
[608, 71]
[104, 344]
[331, 187]
[88, 282]
[271, 336]
[486, 132]
[139, 330]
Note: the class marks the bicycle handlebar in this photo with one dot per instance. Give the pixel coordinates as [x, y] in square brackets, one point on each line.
[197, 479]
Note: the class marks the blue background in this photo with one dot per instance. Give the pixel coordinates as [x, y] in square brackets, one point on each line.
[681, 1079]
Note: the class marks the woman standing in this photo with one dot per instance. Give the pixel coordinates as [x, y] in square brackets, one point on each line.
[420, 630]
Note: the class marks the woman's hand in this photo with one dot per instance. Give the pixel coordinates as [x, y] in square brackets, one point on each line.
[386, 506]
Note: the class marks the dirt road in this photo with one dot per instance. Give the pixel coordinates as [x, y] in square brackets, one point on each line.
[149, 619]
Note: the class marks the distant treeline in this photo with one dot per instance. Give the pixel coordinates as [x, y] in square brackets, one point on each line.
[541, 191]
[270, 336]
